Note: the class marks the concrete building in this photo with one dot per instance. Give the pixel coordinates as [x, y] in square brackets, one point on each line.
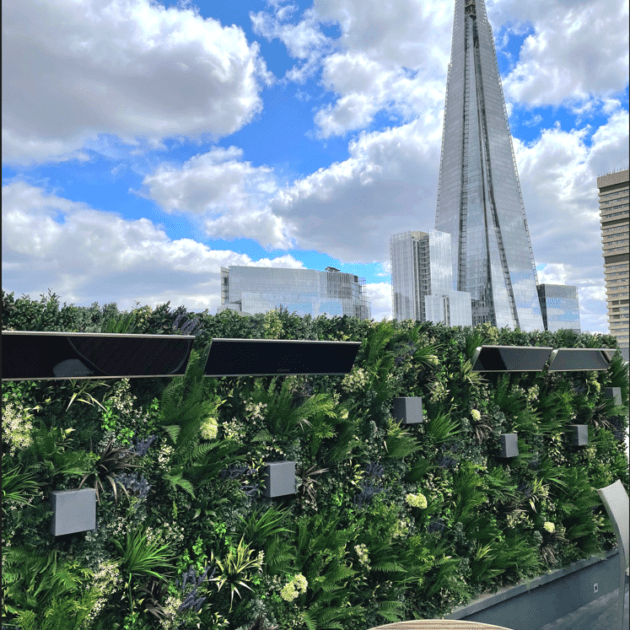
[422, 280]
[479, 194]
[613, 211]
[560, 306]
[261, 289]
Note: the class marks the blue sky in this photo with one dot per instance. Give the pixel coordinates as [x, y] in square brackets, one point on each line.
[143, 154]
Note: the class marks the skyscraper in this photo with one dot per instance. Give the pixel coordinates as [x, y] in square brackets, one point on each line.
[479, 196]
[422, 280]
[613, 209]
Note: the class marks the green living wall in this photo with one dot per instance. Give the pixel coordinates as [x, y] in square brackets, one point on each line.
[389, 522]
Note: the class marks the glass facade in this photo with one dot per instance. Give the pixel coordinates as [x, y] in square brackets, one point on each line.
[560, 307]
[479, 196]
[422, 280]
[305, 291]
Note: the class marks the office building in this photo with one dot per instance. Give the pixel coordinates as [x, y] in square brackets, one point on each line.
[613, 211]
[560, 307]
[479, 195]
[261, 289]
[422, 286]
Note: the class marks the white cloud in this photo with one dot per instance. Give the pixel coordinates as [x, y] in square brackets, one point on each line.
[387, 185]
[94, 253]
[558, 175]
[379, 295]
[76, 69]
[366, 87]
[229, 195]
[578, 49]
[405, 33]
[304, 40]
[390, 55]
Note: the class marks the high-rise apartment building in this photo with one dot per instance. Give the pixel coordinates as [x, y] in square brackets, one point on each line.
[560, 307]
[306, 291]
[613, 211]
[479, 196]
[422, 286]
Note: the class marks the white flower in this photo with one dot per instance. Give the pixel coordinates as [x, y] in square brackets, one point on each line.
[476, 416]
[17, 428]
[549, 527]
[416, 500]
[288, 592]
[355, 380]
[300, 582]
[209, 428]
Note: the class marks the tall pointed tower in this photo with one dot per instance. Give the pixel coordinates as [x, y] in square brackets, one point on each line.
[479, 195]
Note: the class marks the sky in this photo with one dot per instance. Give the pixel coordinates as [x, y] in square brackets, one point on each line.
[147, 144]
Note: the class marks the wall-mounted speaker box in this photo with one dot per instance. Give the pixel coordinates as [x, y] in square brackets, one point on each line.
[578, 434]
[614, 393]
[509, 358]
[34, 355]
[508, 445]
[580, 359]
[279, 479]
[262, 357]
[408, 410]
[73, 511]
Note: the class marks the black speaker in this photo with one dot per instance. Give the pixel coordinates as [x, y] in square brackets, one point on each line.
[34, 355]
[262, 357]
[580, 359]
[510, 358]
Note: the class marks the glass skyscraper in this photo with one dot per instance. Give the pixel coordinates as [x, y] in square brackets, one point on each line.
[306, 291]
[560, 307]
[479, 196]
[422, 287]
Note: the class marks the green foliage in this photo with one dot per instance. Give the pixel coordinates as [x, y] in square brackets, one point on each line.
[441, 428]
[123, 324]
[285, 422]
[51, 451]
[466, 498]
[234, 569]
[17, 487]
[399, 442]
[184, 407]
[508, 402]
[485, 523]
[554, 408]
[142, 557]
[618, 377]
[473, 341]
[37, 587]
[320, 558]
[263, 524]
[111, 462]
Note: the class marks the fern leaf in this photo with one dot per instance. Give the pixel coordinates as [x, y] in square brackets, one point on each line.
[173, 431]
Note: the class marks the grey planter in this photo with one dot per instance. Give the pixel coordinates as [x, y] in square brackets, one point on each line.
[509, 445]
[279, 479]
[73, 511]
[578, 433]
[532, 604]
[614, 393]
[408, 410]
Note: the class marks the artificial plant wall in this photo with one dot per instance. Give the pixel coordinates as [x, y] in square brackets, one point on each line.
[388, 522]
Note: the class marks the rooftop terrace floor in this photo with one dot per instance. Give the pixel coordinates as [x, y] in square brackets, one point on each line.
[600, 614]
